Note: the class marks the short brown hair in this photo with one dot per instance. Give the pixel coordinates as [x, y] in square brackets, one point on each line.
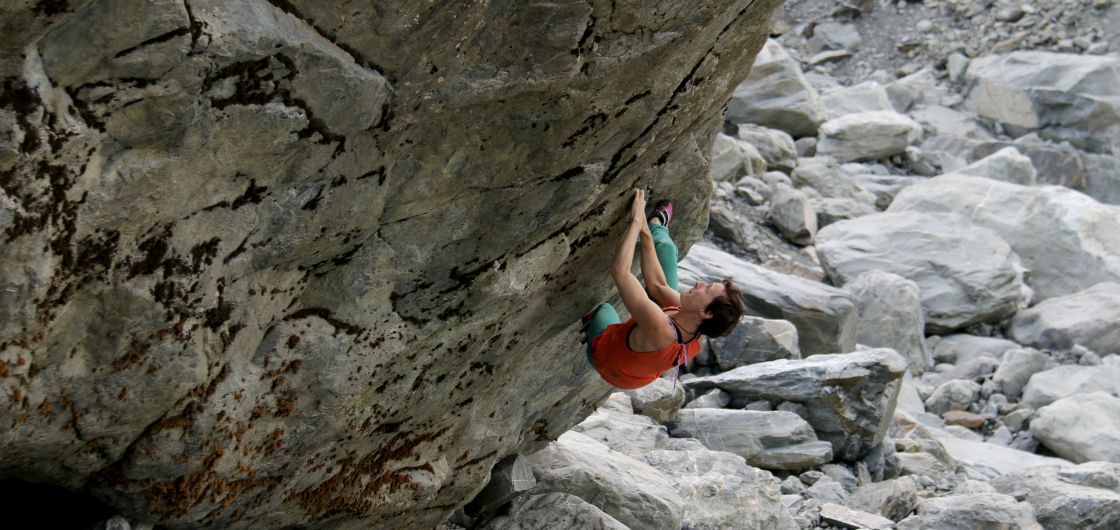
[726, 312]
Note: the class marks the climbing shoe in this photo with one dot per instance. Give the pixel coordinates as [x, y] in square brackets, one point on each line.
[663, 211]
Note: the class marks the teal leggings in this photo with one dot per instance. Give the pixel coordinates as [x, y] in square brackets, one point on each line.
[605, 315]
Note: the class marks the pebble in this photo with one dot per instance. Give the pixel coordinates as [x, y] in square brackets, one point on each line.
[964, 419]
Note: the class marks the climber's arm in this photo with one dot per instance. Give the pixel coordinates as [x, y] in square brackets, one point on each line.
[646, 313]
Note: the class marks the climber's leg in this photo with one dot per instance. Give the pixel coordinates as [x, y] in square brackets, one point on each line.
[666, 253]
[596, 321]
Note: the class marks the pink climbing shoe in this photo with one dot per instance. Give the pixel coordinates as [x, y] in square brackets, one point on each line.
[663, 211]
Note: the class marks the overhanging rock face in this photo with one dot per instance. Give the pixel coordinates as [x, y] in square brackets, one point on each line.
[271, 263]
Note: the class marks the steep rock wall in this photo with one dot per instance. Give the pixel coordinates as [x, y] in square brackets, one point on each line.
[277, 262]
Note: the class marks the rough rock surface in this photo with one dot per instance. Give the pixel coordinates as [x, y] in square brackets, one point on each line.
[1072, 498]
[628, 490]
[850, 397]
[753, 435]
[971, 512]
[966, 274]
[1086, 317]
[1052, 229]
[217, 309]
[754, 340]
[890, 311]
[826, 317]
[1081, 428]
[721, 491]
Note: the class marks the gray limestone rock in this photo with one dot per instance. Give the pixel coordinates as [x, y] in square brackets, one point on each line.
[755, 340]
[1016, 369]
[972, 512]
[849, 397]
[830, 210]
[555, 511]
[1053, 230]
[721, 491]
[753, 435]
[633, 492]
[937, 120]
[1102, 174]
[1007, 165]
[776, 147]
[1087, 318]
[894, 499]
[863, 97]
[1051, 93]
[918, 88]
[1048, 386]
[826, 490]
[961, 347]
[825, 317]
[317, 264]
[869, 135]
[957, 394]
[883, 187]
[777, 95]
[966, 274]
[712, 399]
[511, 477]
[623, 431]
[659, 400]
[830, 180]
[733, 158]
[845, 517]
[792, 213]
[890, 311]
[1072, 498]
[1081, 427]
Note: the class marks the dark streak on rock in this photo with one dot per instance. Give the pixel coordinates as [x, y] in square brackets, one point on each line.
[325, 314]
[155, 40]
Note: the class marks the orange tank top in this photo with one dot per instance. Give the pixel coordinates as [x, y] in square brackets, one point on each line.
[627, 369]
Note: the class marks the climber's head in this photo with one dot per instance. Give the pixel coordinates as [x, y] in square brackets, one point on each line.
[722, 305]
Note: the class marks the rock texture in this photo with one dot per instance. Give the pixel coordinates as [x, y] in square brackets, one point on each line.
[241, 237]
[849, 398]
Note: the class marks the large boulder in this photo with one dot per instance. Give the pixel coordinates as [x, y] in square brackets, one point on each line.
[1084, 497]
[890, 310]
[755, 340]
[733, 158]
[776, 147]
[961, 347]
[849, 397]
[1064, 97]
[623, 431]
[632, 492]
[554, 511]
[1053, 230]
[1048, 386]
[966, 274]
[1016, 369]
[253, 271]
[1088, 318]
[659, 400]
[721, 491]
[1007, 164]
[989, 511]
[777, 95]
[766, 439]
[870, 135]
[826, 317]
[1081, 428]
[863, 97]
[830, 180]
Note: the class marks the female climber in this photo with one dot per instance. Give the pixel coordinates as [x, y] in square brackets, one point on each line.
[665, 323]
